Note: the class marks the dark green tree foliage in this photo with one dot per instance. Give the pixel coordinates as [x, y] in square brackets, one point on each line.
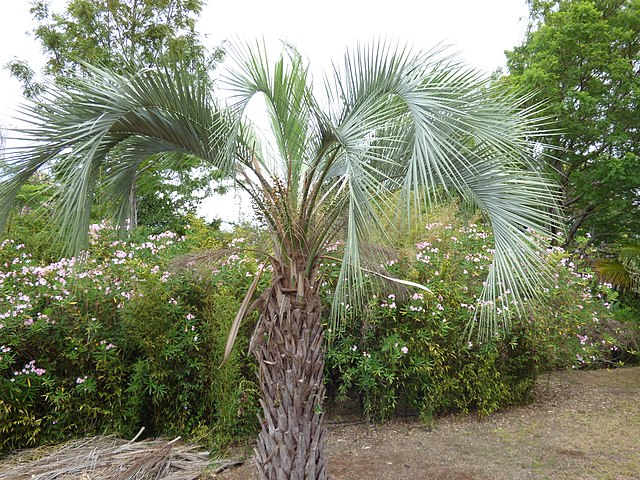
[21, 71]
[583, 59]
[115, 33]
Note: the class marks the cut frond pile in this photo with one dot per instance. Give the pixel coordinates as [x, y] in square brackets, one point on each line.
[107, 458]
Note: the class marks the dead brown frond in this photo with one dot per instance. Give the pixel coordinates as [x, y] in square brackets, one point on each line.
[108, 458]
[201, 261]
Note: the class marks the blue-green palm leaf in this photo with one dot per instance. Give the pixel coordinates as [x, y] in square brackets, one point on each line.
[430, 124]
[110, 122]
[391, 124]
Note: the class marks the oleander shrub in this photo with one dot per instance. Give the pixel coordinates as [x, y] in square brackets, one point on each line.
[410, 351]
[131, 334]
[112, 340]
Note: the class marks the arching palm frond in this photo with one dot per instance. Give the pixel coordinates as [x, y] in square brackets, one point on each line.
[623, 270]
[80, 127]
[416, 123]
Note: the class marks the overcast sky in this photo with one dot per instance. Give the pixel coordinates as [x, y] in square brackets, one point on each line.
[480, 30]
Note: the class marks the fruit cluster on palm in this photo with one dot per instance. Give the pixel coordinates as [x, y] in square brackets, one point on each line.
[393, 128]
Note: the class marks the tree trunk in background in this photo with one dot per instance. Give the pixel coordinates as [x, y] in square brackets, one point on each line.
[288, 344]
[133, 200]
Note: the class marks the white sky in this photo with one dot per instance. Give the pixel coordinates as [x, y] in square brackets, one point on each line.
[481, 30]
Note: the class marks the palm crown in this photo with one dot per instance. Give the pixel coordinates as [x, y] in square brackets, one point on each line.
[393, 130]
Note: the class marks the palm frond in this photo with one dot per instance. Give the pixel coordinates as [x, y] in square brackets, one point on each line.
[78, 128]
[417, 123]
[622, 271]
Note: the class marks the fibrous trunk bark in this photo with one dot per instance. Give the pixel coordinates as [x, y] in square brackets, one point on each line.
[288, 344]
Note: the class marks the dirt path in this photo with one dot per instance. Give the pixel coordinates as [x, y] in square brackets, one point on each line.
[584, 425]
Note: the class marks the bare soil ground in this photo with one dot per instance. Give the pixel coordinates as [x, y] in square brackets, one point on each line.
[584, 425]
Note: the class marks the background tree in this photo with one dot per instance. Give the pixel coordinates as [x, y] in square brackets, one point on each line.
[116, 34]
[393, 123]
[583, 59]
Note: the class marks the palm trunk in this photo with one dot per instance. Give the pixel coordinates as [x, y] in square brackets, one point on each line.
[288, 344]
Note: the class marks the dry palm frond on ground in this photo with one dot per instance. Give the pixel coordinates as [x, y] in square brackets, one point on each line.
[102, 458]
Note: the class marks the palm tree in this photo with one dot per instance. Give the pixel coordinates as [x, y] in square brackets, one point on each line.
[392, 125]
[621, 268]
